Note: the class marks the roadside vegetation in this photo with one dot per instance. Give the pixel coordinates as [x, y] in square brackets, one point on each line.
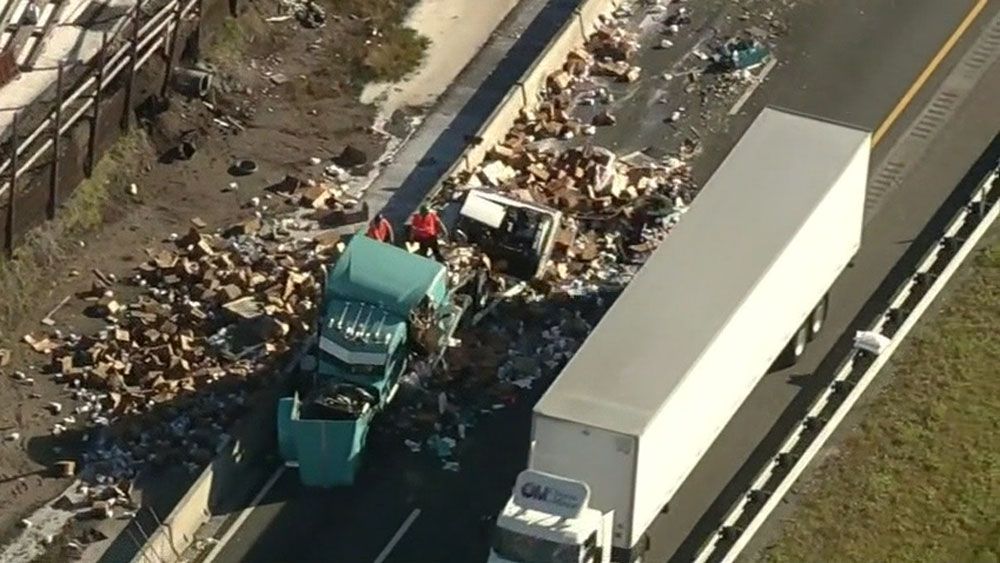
[919, 479]
[43, 248]
[394, 51]
[377, 46]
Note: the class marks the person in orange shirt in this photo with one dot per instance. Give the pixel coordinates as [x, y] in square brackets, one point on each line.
[380, 229]
[425, 230]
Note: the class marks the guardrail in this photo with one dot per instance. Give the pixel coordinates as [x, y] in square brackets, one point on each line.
[910, 301]
[144, 39]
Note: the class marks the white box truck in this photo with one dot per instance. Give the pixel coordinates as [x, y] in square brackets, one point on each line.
[739, 286]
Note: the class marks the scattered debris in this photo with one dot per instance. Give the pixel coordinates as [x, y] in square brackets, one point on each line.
[740, 54]
[47, 319]
[243, 166]
[65, 468]
[873, 342]
[42, 345]
[351, 156]
[213, 308]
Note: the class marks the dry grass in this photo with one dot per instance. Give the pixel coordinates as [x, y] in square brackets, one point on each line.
[393, 53]
[229, 43]
[373, 43]
[919, 480]
[46, 246]
[399, 52]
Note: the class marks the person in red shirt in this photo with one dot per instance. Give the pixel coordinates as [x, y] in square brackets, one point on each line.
[380, 229]
[425, 230]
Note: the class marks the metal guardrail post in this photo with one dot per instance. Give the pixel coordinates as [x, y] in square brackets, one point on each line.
[95, 119]
[172, 50]
[133, 63]
[56, 125]
[12, 189]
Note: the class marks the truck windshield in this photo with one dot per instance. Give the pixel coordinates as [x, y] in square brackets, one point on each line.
[522, 548]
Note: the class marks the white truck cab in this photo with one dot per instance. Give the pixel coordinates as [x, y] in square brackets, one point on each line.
[547, 520]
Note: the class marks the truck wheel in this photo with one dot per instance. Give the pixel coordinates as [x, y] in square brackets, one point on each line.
[799, 342]
[794, 349]
[818, 317]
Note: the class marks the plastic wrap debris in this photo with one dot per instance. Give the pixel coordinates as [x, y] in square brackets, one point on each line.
[871, 341]
[741, 54]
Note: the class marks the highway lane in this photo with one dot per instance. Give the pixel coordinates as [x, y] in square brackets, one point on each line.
[955, 149]
[782, 398]
[293, 524]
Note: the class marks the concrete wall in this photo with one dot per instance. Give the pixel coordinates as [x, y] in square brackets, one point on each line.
[225, 485]
[220, 487]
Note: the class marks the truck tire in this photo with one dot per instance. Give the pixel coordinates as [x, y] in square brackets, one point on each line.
[818, 317]
[799, 342]
[794, 349]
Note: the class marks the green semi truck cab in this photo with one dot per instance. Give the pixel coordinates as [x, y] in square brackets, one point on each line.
[381, 305]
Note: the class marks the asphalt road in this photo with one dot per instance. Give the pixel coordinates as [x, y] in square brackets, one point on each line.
[850, 60]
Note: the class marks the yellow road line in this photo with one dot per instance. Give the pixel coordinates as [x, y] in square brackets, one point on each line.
[928, 71]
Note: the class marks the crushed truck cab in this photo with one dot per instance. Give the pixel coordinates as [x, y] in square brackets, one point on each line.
[381, 304]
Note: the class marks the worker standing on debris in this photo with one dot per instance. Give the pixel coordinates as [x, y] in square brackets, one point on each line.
[380, 229]
[425, 229]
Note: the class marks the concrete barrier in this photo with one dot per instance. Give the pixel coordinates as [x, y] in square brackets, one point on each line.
[526, 93]
[494, 131]
[225, 484]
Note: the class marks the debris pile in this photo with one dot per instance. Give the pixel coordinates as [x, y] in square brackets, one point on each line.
[608, 53]
[495, 367]
[332, 204]
[615, 212]
[613, 48]
[172, 368]
[308, 13]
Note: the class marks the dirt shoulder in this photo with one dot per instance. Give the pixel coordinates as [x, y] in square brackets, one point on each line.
[285, 97]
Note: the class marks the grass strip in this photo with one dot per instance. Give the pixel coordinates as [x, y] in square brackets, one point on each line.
[919, 478]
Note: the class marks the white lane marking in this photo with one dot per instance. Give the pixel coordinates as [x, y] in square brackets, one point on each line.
[757, 80]
[243, 515]
[398, 536]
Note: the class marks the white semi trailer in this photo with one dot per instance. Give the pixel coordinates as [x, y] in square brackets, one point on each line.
[740, 285]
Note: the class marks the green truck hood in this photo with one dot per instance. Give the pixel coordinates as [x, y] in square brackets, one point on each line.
[381, 274]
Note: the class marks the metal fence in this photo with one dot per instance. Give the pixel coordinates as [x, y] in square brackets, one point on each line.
[121, 54]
